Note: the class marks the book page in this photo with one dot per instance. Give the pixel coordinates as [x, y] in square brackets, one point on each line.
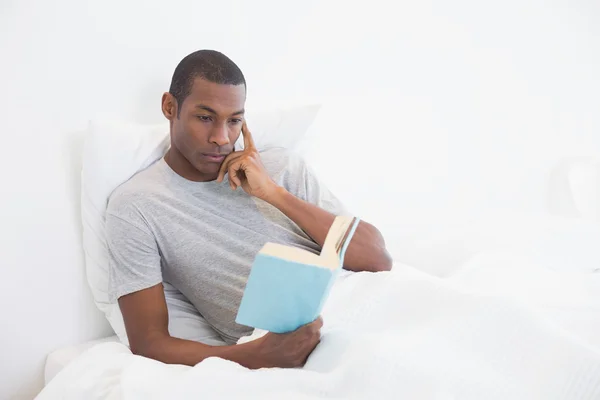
[330, 255]
[291, 254]
[335, 240]
[343, 239]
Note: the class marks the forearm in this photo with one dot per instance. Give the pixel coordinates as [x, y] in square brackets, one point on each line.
[366, 251]
[170, 350]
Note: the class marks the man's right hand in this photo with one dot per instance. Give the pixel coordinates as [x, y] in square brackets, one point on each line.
[146, 320]
[288, 350]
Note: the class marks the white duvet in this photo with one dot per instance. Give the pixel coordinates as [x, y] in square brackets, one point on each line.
[499, 328]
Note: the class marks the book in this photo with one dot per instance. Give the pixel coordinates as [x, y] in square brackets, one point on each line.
[288, 286]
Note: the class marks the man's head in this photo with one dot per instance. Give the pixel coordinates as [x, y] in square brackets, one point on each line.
[205, 107]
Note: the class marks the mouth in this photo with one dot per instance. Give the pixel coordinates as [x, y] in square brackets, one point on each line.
[214, 157]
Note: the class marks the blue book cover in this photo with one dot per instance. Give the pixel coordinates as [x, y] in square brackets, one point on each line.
[287, 286]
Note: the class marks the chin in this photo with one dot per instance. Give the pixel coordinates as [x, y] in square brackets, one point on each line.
[208, 170]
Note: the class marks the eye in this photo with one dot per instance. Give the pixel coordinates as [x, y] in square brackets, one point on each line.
[204, 118]
[235, 120]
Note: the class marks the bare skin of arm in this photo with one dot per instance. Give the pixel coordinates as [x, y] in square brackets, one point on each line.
[147, 320]
[366, 251]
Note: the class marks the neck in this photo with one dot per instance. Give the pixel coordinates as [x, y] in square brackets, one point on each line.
[182, 167]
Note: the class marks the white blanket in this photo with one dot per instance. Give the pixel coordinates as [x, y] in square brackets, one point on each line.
[481, 334]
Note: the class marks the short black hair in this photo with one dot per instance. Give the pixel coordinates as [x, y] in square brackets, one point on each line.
[206, 64]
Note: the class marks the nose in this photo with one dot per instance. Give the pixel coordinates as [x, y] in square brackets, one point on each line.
[220, 135]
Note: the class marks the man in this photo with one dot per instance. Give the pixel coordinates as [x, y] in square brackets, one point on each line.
[195, 219]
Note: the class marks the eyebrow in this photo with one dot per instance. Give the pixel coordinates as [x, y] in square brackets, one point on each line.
[206, 108]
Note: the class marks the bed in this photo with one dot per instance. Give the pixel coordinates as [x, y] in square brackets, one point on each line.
[499, 326]
[60, 358]
[502, 307]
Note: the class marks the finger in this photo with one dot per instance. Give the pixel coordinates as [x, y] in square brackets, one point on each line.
[222, 169]
[317, 323]
[233, 177]
[248, 140]
[309, 351]
[314, 326]
[225, 164]
[231, 183]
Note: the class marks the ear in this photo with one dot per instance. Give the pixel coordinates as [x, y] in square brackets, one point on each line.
[169, 106]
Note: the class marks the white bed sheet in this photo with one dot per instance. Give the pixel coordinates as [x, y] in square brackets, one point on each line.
[491, 331]
[59, 359]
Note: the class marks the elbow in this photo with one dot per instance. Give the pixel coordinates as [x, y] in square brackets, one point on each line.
[140, 348]
[148, 347]
[379, 259]
[384, 262]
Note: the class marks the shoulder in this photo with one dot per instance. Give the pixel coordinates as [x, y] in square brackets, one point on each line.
[278, 161]
[132, 196]
[289, 170]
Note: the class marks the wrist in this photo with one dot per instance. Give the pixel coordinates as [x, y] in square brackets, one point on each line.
[254, 355]
[245, 354]
[276, 195]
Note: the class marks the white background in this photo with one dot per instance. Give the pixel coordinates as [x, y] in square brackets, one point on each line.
[437, 105]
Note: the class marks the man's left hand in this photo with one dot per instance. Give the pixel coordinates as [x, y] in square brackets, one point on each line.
[245, 170]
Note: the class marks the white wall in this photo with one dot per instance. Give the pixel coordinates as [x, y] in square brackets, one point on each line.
[462, 105]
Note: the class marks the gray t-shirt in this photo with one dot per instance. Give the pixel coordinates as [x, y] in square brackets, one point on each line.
[201, 237]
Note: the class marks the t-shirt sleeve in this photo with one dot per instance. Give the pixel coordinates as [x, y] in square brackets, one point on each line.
[319, 194]
[134, 258]
[303, 182]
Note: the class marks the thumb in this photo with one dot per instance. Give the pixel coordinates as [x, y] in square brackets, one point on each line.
[316, 324]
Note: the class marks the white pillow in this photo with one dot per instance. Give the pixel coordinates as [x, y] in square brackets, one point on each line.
[584, 182]
[114, 151]
[286, 127]
[557, 243]
[440, 246]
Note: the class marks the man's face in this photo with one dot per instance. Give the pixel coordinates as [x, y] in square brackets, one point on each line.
[208, 125]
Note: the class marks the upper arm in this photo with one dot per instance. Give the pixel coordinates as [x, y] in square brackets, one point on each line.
[134, 273]
[146, 317]
[367, 236]
[134, 257]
